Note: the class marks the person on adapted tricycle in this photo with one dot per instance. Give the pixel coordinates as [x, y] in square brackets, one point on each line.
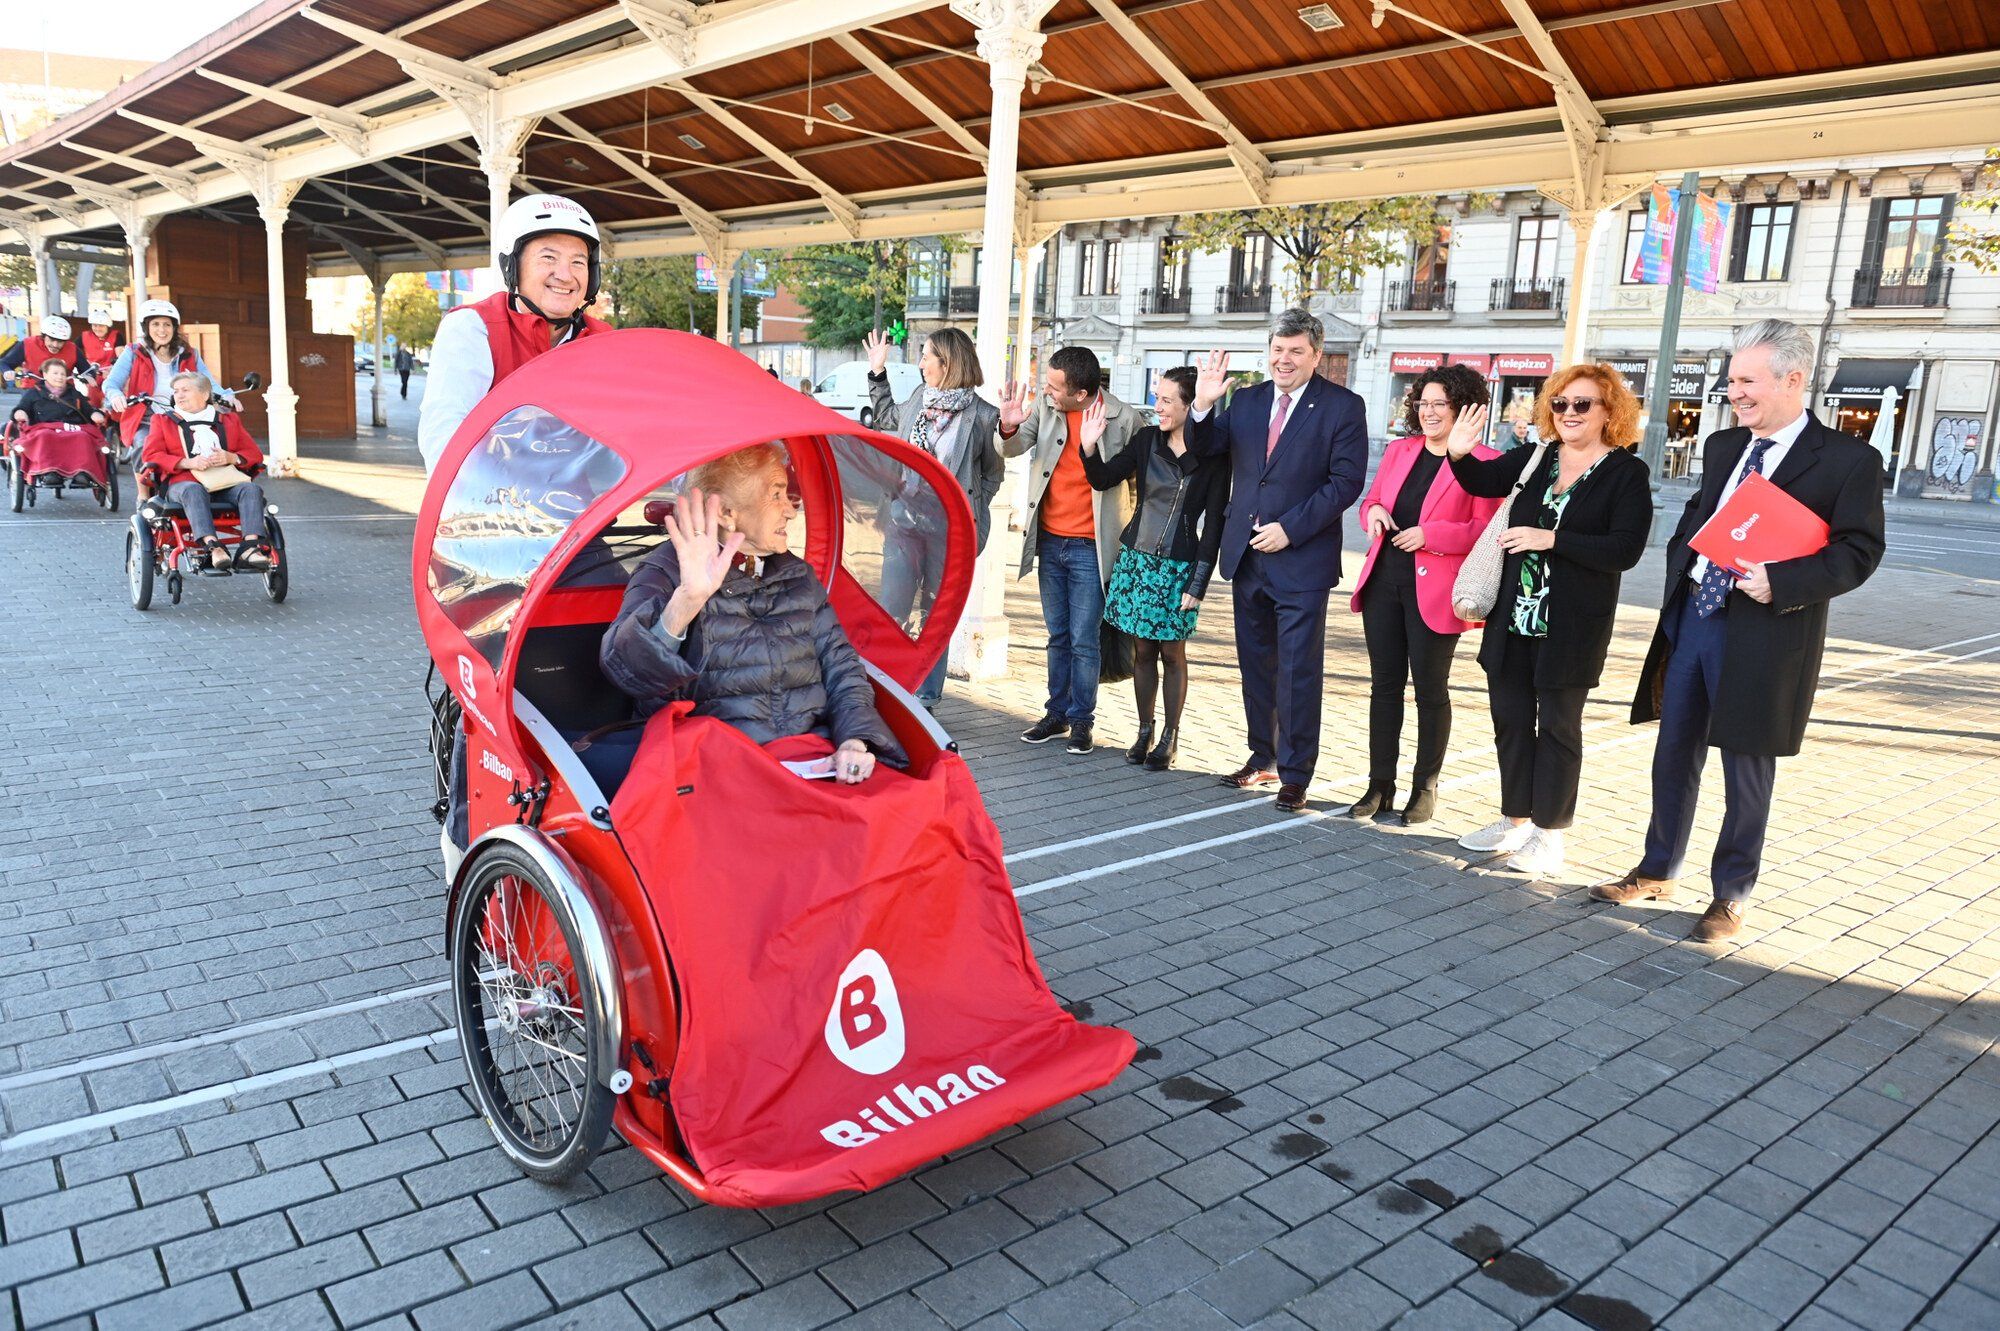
[725, 615]
[204, 456]
[55, 400]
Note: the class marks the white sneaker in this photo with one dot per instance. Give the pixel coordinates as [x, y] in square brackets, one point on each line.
[1503, 836]
[1542, 856]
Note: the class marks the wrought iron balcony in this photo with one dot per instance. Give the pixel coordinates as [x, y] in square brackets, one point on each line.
[1236, 300]
[1537, 294]
[1163, 300]
[1416, 297]
[1876, 287]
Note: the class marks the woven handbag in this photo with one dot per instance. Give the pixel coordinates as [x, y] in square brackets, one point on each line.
[1478, 583]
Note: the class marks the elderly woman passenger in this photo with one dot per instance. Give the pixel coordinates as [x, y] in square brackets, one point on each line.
[193, 439]
[725, 615]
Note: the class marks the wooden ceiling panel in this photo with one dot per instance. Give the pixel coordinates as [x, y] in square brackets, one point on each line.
[356, 83]
[498, 23]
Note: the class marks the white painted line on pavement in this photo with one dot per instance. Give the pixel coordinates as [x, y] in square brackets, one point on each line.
[141, 1053]
[112, 1118]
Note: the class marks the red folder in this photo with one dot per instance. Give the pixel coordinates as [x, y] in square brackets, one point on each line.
[1759, 523]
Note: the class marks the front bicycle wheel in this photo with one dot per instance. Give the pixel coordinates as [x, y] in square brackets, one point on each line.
[527, 1017]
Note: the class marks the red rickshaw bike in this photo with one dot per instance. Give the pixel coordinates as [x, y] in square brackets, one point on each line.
[58, 458]
[774, 988]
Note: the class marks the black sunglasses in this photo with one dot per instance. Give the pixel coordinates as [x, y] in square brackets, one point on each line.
[1562, 406]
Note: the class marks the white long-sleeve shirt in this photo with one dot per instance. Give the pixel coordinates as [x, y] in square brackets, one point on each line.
[461, 373]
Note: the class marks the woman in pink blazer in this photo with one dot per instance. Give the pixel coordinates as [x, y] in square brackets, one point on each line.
[1420, 526]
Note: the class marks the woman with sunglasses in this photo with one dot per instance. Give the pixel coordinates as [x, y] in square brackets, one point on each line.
[1578, 521]
[1420, 524]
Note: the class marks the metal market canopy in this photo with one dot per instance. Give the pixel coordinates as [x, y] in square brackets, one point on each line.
[392, 131]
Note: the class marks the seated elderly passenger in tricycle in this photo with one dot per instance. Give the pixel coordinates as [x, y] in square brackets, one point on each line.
[775, 986]
[54, 440]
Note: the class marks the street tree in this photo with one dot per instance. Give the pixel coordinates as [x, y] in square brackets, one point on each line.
[1975, 242]
[1329, 245]
[16, 270]
[851, 290]
[662, 293]
[410, 313]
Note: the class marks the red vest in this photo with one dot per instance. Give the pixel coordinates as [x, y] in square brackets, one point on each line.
[517, 337]
[36, 349]
[139, 387]
[102, 350]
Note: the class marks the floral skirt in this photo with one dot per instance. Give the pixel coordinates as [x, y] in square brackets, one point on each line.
[1144, 598]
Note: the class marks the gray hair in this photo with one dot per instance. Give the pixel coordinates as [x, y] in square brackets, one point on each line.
[1293, 323]
[1791, 346]
[194, 376]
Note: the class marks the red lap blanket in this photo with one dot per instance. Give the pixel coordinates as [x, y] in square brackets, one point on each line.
[857, 992]
[65, 449]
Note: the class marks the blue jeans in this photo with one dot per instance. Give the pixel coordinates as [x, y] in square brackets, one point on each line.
[248, 498]
[1072, 608]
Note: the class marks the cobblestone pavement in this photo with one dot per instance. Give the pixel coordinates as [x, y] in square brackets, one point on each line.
[1378, 1081]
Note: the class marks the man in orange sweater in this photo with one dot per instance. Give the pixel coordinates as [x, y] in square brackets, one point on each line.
[1072, 529]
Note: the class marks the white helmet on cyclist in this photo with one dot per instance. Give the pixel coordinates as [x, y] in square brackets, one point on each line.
[158, 309]
[539, 215]
[55, 328]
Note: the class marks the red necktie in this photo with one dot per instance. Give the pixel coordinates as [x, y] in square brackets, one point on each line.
[1278, 424]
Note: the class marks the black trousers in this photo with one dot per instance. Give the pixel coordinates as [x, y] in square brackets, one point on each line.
[1281, 649]
[1539, 736]
[1402, 648]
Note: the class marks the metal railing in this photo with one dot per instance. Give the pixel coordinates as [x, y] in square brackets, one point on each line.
[1876, 287]
[1162, 300]
[1413, 297]
[1527, 293]
[1234, 300]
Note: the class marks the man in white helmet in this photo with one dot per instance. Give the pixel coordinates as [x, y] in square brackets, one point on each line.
[55, 341]
[548, 249]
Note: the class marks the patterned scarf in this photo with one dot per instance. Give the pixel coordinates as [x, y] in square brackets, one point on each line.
[936, 429]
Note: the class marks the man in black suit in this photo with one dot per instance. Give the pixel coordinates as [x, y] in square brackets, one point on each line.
[1298, 446]
[1735, 660]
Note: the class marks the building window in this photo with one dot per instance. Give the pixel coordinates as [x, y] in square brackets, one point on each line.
[1250, 266]
[1764, 242]
[1911, 231]
[1113, 250]
[1087, 272]
[1635, 242]
[1173, 273]
[1535, 248]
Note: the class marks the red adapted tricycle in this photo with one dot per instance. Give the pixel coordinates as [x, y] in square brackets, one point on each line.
[774, 988]
[58, 458]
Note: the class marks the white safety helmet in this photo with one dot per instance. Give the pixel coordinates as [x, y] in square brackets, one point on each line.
[538, 215]
[55, 328]
[154, 309]
[101, 314]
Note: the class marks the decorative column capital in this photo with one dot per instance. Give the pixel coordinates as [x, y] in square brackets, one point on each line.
[1010, 39]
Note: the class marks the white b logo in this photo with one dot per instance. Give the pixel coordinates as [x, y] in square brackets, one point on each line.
[465, 676]
[864, 1028]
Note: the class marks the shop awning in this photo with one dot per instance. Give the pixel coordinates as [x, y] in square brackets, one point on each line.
[1867, 378]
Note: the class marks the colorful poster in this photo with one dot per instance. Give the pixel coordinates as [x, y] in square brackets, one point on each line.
[1708, 249]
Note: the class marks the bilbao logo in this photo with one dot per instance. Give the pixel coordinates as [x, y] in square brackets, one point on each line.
[465, 677]
[1743, 532]
[864, 1028]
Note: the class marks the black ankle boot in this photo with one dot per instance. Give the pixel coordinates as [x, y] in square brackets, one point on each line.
[1137, 753]
[1162, 756]
[1423, 804]
[1381, 794]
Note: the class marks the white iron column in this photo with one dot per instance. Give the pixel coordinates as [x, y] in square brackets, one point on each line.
[138, 230]
[280, 402]
[499, 168]
[38, 256]
[1586, 230]
[1010, 41]
[724, 262]
[1027, 258]
[378, 416]
[1592, 201]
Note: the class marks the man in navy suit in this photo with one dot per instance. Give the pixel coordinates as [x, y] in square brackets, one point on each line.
[1735, 659]
[1298, 447]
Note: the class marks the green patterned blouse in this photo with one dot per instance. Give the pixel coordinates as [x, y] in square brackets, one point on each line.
[1531, 619]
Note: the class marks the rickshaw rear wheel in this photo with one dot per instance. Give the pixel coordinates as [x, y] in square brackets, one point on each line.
[20, 485]
[277, 577]
[139, 562]
[111, 486]
[527, 1019]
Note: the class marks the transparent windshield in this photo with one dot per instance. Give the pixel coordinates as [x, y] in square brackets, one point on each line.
[895, 532]
[512, 500]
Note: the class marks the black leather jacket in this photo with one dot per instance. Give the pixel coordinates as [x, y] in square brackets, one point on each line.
[1175, 495]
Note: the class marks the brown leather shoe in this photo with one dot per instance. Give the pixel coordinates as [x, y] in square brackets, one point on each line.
[1722, 919]
[1291, 797]
[1248, 775]
[1634, 887]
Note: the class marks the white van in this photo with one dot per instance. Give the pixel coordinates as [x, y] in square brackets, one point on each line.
[846, 388]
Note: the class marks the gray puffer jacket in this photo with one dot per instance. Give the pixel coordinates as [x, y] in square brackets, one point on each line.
[766, 654]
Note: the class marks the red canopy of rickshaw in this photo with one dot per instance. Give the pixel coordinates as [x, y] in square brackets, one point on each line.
[663, 403]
